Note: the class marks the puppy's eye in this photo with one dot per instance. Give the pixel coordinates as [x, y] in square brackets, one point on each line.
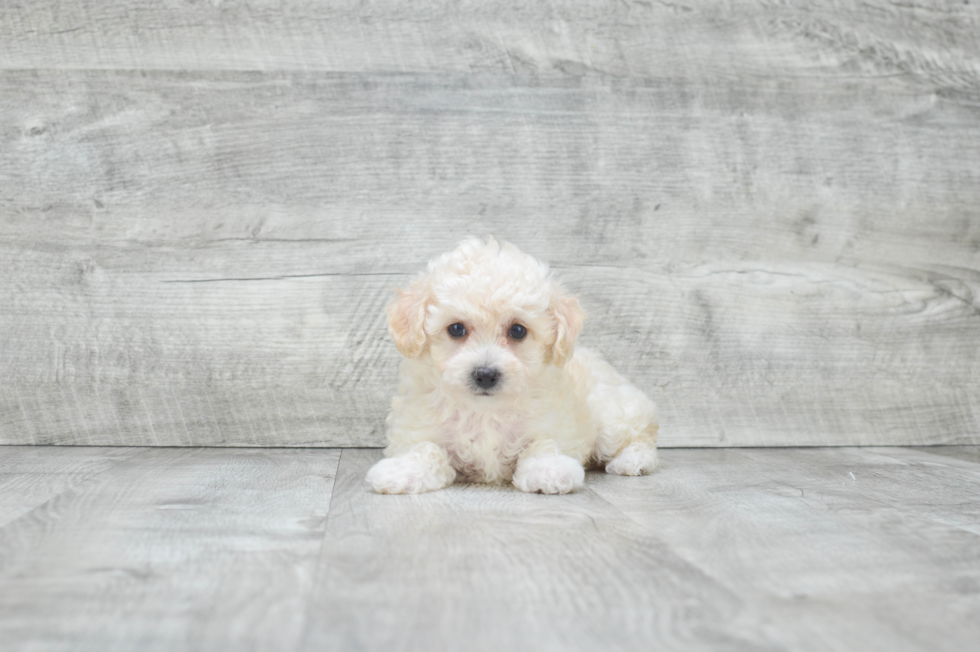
[517, 332]
[456, 330]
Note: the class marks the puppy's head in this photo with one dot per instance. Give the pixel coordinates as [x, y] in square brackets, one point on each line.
[488, 318]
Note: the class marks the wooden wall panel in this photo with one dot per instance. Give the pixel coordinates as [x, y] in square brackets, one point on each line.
[750, 39]
[770, 212]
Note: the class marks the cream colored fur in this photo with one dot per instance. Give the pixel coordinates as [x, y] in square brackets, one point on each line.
[555, 408]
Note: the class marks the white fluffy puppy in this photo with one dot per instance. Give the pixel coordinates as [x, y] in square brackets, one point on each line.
[492, 389]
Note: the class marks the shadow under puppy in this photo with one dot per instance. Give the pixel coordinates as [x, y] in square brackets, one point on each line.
[492, 389]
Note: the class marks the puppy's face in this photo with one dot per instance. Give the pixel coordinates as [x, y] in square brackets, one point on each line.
[489, 319]
[488, 346]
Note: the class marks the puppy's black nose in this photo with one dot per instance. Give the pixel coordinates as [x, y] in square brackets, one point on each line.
[485, 377]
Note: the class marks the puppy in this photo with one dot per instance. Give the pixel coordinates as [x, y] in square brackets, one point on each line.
[493, 390]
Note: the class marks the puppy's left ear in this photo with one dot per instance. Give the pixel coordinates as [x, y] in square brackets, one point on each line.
[568, 318]
[406, 318]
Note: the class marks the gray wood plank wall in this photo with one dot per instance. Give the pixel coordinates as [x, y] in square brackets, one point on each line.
[771, 211]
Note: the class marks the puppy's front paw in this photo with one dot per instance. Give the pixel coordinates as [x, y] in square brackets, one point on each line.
[635, 459]
[550, 473]
[423, 468]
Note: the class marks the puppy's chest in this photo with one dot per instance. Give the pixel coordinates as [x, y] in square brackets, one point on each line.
[484, 447]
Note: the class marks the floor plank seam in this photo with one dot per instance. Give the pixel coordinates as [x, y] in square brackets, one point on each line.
[308, 614]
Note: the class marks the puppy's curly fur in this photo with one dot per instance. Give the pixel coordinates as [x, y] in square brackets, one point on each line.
[493, 389]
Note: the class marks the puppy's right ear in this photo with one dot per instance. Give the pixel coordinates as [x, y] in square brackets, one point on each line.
[406, 318]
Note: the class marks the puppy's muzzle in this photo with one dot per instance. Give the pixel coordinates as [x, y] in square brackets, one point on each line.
[485, 379]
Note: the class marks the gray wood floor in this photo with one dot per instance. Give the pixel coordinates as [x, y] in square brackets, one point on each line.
[287, 549]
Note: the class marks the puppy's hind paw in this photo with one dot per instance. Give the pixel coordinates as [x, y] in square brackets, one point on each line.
[549, 474]
[423, 468]
[635, 459]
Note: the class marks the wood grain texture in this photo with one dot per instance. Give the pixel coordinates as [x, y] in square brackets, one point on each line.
[558, 38]
[841, 549]
[30, 476]
[492, 568]
[968, 453]
[728, 549]
[205, 549]
[769, 211]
